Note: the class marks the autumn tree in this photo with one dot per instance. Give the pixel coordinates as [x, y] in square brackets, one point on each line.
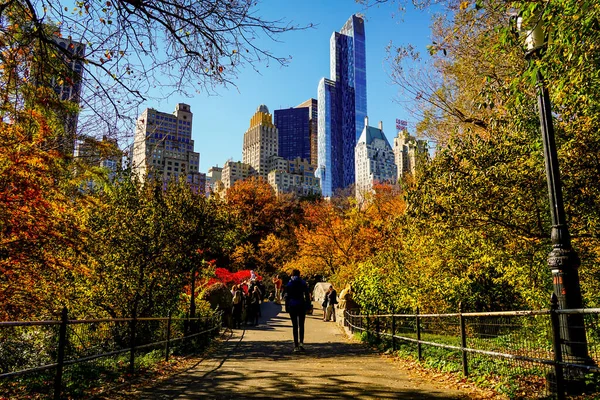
[38, 222]
[334, 238]
[38, 197]
[264, 225]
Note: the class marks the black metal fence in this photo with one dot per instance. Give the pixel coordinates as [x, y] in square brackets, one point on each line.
[524, 352]
[29, 348]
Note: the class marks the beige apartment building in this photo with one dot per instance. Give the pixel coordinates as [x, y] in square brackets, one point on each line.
[260, 159]
[234, 171]
[293, 176]
[407, 149]
[163, 147]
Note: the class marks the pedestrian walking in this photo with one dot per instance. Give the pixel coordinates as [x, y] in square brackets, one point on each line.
[238, 307]
[331, 297]
[254, 307]
[277, 282]
[297, 300]
[324, 305]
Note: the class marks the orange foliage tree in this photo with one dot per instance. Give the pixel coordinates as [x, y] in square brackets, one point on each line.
[264, 225]
[39, 199]
[334, 240]
[38, 222]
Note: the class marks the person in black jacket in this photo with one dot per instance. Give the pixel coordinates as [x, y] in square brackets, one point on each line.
[297, 300]
[331, 298]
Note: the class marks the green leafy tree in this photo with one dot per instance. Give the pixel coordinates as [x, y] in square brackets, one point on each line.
[477, 223]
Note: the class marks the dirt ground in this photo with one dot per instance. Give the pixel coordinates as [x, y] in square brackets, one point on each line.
[258, 362]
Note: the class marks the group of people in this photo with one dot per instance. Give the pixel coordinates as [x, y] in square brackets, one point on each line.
[297, 302]
[247, 301]
[329, 304]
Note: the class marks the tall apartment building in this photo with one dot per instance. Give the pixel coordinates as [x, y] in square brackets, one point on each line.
[259, 154]
[261, 141]
[69, 89]
[374, 160]
[342, 106]
[293, 176]
[298, 129]
[163, 147]
[313, 127]
[407, 150]
[293, 126]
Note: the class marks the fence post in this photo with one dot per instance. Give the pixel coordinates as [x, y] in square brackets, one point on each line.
[168, 345]
[368, 325]
[393, 331]
[559, 388]
[60, 358]
[220, 323]
[419, 347]
[377, 327]
[463, 340]
[132, 341]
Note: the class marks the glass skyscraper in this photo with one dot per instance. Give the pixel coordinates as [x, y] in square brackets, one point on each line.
[294, 132]
[342, 105]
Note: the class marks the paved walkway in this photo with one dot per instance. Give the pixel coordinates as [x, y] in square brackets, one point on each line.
[259, 363]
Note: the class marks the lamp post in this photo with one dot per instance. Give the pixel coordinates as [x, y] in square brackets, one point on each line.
[563, 261]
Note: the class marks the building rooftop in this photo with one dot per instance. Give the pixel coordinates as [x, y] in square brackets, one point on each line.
[371, 133]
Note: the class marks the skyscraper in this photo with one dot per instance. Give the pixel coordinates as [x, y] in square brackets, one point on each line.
[342, 104]
[313, 127]
[163, 146]
[293, 125]
[298, 130]
[260, 142]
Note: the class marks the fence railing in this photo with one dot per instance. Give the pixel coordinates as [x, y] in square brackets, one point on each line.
[28, 347]
[528, 346]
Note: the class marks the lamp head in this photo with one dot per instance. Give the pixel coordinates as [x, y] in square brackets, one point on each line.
[534, 35]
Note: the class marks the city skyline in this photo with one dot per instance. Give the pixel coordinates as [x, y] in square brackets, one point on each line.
[219, 138]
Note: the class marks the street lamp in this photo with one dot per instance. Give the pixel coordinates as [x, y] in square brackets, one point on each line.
[562, 260]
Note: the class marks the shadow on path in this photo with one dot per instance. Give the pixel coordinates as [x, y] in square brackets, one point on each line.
[258, 363]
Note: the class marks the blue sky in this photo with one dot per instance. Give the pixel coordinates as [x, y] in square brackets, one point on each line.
[221, 120]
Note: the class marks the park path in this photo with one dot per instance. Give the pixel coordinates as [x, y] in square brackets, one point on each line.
[258, 362]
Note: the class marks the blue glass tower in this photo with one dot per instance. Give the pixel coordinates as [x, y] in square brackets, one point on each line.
[294, 132]
[342, 105]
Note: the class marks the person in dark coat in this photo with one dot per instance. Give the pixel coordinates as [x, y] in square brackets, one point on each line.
[238, 306]
[297, 299]
[331, 297]
[324, 305]
[254, 307]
